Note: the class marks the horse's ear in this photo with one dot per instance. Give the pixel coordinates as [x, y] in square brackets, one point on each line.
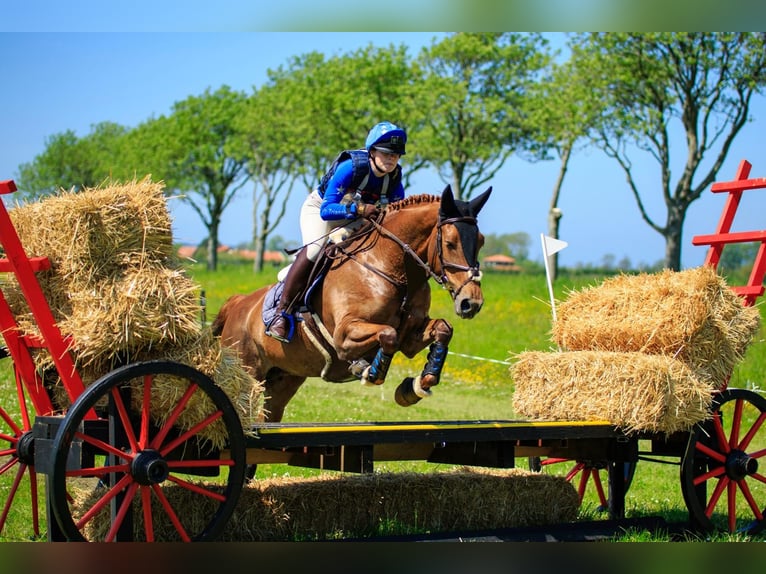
[478, 202]
[448, 202]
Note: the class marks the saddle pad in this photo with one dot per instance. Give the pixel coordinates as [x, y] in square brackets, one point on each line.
[269, 310]
[273, 295]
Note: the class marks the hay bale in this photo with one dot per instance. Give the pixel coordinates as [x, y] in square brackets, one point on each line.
[334, 506]
[116, 288]
[691, 315]
[633, 391]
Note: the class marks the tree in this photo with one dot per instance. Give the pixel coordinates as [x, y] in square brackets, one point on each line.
[338, 99]
[561, 111]
[268, 135]
[193, 150]
[651, 82]
[469, 118]
[73, 163]
[512, 244]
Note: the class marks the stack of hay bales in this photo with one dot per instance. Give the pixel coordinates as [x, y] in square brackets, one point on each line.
[354, 506]
[644, 352]
[116, 288]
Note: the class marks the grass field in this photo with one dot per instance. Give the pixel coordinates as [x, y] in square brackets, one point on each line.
[475, 385]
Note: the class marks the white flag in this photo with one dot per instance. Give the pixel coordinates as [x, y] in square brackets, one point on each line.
[552, 245]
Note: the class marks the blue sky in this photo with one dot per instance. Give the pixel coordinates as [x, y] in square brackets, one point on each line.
[68, 80]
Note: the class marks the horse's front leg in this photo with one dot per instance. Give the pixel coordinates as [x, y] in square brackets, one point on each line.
[438, 333]
[354, 339]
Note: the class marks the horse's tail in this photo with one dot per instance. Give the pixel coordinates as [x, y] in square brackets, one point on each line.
[220, 319]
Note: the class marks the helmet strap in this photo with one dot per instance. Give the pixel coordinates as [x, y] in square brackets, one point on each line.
[375, 163]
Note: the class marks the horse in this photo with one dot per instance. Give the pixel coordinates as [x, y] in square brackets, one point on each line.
[371, 302]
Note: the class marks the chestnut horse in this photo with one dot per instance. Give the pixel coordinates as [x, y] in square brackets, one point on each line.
[373, 301]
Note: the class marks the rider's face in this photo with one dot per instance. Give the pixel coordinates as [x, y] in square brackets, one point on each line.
[385, 161]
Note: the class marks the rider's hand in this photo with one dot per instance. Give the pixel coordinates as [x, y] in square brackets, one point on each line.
[368, 211]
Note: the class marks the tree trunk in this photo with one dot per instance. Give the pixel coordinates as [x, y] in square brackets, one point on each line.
[554, 213]
[673, 237]
[212, 247]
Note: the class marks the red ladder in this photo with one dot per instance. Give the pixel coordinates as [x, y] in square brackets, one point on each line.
[19, 345]
[723, 235]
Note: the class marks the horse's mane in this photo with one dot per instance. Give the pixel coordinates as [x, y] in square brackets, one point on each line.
[413, 200]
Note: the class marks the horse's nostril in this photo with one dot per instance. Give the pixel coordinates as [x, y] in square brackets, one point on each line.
[465, 305]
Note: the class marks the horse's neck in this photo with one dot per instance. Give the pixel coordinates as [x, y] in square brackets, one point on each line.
[414, 227]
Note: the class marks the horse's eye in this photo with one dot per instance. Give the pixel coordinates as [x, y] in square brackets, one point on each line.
[451, 245]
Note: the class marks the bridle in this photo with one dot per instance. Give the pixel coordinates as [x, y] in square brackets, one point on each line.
[474, 274]
[473, 270]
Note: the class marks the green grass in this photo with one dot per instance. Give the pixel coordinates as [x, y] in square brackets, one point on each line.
[475, 385]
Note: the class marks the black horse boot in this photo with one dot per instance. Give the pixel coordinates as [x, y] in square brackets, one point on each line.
[296, 279]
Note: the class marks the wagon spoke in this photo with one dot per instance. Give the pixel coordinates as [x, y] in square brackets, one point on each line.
[191, 432]
[752, 432]
[146, 503]
[123, 510]
[104, 500]
[714, 454]
[196, 488]
[171, 513]
[174, 414]
[146, 411]
[11, 423]
[731, 489]
[123, 413]
[12, 495]
[719, 488]
[10, 464]
[98, 471]
[750, 499]
[720, 434]
[11, 439]
[716, 472]
[575, 470]
[736, 421]
[599, 488]
[104, 446]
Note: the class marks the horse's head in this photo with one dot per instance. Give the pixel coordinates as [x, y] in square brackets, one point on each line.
[455, 258]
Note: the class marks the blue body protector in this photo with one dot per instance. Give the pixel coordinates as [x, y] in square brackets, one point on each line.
[360, 173]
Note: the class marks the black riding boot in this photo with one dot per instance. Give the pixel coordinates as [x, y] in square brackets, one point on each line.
[296, 279]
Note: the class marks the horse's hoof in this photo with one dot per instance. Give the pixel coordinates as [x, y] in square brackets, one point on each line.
[410, 392]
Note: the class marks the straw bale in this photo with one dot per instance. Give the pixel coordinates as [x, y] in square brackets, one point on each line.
[633, 391]
[691, 315]
[334, 506]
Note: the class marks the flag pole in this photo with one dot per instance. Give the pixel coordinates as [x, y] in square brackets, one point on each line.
[546, 260]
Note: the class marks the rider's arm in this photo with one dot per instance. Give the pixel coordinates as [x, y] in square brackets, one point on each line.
[397, 194]
[332, 208]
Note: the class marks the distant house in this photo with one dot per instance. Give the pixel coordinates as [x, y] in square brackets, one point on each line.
[501, 263]
[187, 251]
[275, 258]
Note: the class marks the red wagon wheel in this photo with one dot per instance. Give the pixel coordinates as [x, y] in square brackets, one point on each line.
[125, 476]
[17, 464]
[586, 472]
[723, 473]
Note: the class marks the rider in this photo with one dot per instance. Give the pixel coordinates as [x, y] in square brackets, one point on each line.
[355, 186]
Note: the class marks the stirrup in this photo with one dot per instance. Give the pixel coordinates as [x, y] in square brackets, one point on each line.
[290, 331]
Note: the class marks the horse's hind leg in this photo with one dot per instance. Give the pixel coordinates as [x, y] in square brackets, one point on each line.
[279, 388]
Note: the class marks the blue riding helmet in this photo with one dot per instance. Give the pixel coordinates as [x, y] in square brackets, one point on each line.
[387, 137]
